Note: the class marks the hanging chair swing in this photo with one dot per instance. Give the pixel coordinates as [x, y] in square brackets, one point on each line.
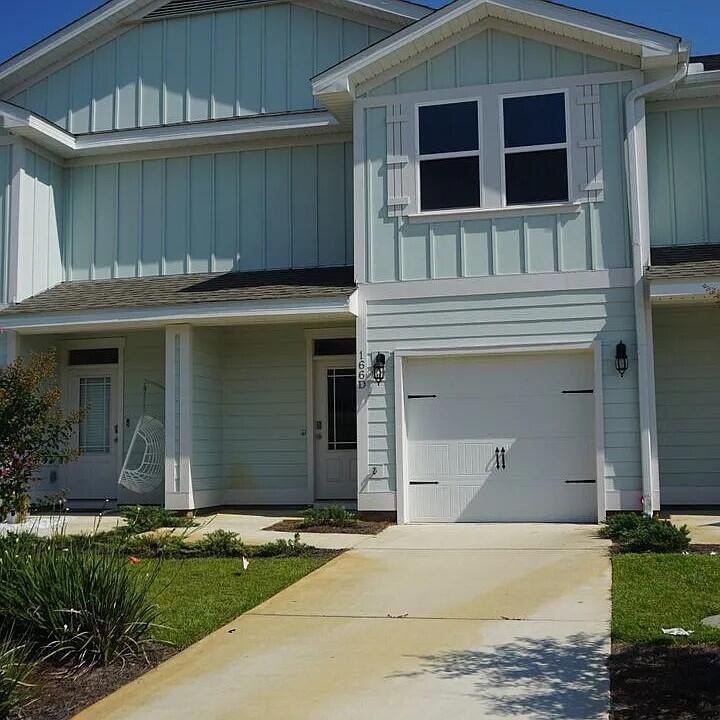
[144, 468]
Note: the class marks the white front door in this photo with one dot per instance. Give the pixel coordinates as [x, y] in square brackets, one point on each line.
[501, 438]
[335, 430]
[93, 476]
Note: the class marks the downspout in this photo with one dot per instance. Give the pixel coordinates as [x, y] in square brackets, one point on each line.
[636, 169]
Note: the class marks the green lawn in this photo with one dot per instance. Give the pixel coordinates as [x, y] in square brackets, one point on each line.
[199, 595]
[655, 591]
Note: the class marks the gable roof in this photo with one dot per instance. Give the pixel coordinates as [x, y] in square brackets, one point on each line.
[115, 15]
[651, 47]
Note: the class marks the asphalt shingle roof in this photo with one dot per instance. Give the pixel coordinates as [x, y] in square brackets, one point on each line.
[684, 261]
[171, 290]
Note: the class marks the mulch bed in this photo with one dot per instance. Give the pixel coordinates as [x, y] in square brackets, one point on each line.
[665, 682]
[704, 549]
[361, 527]
[61, 697]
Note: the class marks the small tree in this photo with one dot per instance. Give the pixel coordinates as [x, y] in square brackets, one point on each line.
[34, 430]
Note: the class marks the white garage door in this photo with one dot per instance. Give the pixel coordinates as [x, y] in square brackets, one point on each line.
[501, 438]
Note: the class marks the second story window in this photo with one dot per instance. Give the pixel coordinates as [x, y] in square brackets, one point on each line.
[535, 149]
[449, 155]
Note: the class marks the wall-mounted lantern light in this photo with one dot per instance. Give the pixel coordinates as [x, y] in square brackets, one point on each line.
[621, 358]
[378, 368]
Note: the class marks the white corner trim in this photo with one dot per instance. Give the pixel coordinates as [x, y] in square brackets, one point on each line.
[205, 313]
[599, 431]
[493, 284]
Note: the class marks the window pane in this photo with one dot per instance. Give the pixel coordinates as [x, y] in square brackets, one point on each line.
[534, 120]
[450, 183]
[452, 127]
[94, 403]
[342, 422]
[93, 356]
[535, 177]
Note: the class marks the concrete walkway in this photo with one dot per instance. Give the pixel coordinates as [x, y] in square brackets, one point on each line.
[420, 623]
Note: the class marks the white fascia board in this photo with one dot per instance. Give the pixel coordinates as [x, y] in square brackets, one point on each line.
[690, 289]
[643, 42]
[203, 313]
[95, 23]
[249, 128]
[48, 135]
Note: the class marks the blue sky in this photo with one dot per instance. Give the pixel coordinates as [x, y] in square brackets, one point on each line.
[27, 21]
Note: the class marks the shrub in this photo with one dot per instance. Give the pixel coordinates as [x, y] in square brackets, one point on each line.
[283, 547]
[16, 668]
[144, 518]
[616, 525]
[221, 543]
[636, 533]
[157, 545]
[34, 430]
[76, 606]
[332, 516]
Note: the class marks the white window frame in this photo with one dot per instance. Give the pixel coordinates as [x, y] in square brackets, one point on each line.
[449, 155]
[504, 151]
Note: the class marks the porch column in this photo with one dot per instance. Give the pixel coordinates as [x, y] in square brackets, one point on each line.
[8, 348]
[178, 417]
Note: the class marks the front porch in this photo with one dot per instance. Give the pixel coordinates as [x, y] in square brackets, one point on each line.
[257, 399]
[686, 331]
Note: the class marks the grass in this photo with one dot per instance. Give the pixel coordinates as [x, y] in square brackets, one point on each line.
[651, 592]
[199, 595]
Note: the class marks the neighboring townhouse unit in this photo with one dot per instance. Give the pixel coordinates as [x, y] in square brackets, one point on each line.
[449, 265]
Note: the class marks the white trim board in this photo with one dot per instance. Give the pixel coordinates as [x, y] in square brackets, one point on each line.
[595, 348]
[494, 284]
[682, 290]
[202, 313]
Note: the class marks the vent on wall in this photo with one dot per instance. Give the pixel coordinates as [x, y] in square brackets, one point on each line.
[176, 8]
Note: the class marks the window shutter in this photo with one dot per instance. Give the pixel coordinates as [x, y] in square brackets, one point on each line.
[398, 163]
[589, 141]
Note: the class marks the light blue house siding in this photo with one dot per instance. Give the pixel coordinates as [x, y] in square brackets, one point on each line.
[493, 57]
[684, 176]
[688, 403]
[250, 210]
[505, 320]
[5, 169]
[595, 237]
[204, 66]
[42, 224]
[250, 414]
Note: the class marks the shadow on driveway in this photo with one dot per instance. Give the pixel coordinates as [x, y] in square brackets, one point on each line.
[542, 678]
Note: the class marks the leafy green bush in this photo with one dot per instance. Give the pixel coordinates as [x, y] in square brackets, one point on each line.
[16, 668]
[332, 516]
[144, 518]
[157, 545]
[291, 548]
[636, 533]
[77, 606]
[221, 543]
[620, 523]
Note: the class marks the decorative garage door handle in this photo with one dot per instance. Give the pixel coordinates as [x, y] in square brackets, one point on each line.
[499, 458]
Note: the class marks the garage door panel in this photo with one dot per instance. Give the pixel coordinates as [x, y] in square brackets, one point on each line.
[453, 431]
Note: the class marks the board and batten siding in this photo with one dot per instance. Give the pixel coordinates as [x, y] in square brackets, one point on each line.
[684, 176]
[595, 237]
[687, 390]
[204, 66]
[506, 320]
[490, 57]
[42, 224]
[251, 210]
[5, 178]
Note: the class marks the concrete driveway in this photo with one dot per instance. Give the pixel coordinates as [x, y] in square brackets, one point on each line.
[420, 623]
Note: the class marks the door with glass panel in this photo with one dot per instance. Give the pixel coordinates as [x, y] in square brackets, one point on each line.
[335, 430]
[93, 476]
